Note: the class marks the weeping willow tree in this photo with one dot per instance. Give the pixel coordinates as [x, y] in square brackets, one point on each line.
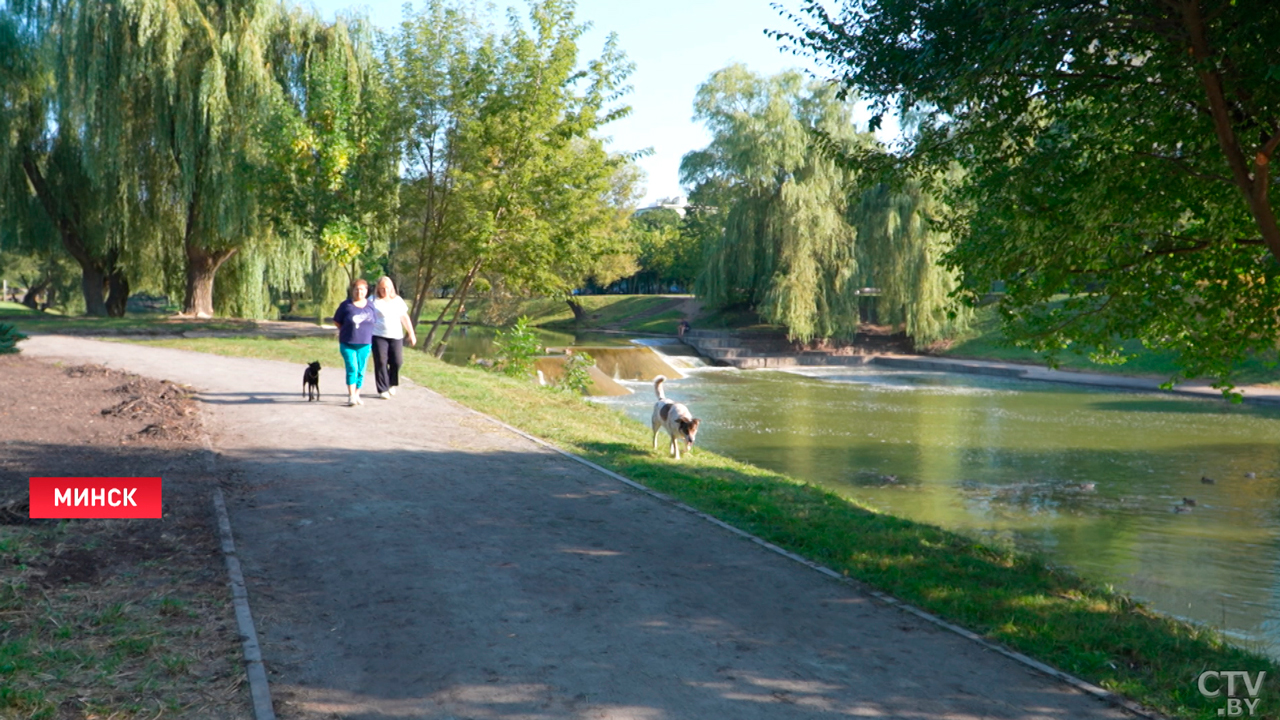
[799, 238]
[76, 125]
[786, 247]
[901, 241]
[204, 65]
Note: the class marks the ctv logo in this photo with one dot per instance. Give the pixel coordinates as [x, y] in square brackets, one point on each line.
[1211, 684]
[100, 497]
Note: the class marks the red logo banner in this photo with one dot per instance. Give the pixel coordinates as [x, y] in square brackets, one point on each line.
[95, 497]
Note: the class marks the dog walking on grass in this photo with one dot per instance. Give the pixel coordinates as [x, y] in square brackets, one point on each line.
[675, 418]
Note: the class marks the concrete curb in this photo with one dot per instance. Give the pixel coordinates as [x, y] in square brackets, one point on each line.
[259, 688]
[1086, 687]
[255, 670]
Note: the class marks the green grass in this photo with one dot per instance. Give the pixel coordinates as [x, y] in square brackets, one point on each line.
[30, 321]
[627, 313]
[1009, 597]
[13, 309]
[113, 649]
[985, 342]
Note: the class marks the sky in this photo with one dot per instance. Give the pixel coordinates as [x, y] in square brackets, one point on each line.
[675, 45]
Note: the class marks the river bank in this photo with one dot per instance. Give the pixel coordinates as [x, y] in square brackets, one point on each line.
[747, 350]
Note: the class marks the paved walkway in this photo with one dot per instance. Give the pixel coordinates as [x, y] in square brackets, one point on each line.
[411, 559]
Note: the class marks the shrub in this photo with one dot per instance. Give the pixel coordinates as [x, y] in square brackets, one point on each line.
[517, 349]
[577, 376]
[9, 339]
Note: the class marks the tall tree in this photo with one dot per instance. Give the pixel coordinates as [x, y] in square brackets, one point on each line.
[438, 64]
[785, 247]
[212, 89]
[1117, 153]
[532, 182]
[902, 237]
[74, 124]
[332, 156]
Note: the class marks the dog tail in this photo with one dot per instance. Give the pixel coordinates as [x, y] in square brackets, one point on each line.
[657, 386]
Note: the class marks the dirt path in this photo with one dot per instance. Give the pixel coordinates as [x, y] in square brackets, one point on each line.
[411, 559]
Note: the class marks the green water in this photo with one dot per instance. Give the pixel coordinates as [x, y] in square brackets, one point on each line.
[1089, 478]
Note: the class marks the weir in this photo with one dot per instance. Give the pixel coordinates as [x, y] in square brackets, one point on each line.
[614, 365]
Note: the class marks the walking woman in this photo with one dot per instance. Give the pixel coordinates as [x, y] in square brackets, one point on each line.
[355, 319]
[389, 331]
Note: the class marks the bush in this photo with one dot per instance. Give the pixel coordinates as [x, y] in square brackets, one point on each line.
[9, 339]
[517, 349]
[577, 376]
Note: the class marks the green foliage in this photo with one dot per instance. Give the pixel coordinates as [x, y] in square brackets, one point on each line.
[517, 348]
[519, 190]
[9, 339]
[70, 138]
[784, 245]
[666, 253]
[577, 375]
[1117, 153]
[902, 237]
[331, 143]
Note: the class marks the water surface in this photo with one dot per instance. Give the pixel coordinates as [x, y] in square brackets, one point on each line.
[1094, 479]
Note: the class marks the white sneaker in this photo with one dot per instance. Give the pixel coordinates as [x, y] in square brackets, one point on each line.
[359, 401]
[392, 390]
[352, 401]
[384, 395]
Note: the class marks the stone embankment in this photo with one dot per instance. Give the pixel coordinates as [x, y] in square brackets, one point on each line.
[750, 351]
[762, 350]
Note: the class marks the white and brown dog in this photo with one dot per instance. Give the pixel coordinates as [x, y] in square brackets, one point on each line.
[675, 418]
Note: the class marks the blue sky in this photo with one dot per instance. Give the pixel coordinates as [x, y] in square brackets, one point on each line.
[675, 45]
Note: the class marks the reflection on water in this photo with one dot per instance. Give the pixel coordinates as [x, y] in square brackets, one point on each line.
[478, 341]
[1096, 480]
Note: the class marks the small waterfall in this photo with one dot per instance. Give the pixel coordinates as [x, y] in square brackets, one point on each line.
[631, 363]
[674, 353]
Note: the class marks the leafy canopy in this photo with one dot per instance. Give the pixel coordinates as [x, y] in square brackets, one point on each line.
[1116, 159]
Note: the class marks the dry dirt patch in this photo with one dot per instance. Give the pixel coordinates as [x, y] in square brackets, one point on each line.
[110, 618]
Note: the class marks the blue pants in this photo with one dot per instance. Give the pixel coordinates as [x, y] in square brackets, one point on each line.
[354, 358]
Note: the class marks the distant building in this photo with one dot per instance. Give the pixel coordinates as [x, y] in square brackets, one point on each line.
[678, 203]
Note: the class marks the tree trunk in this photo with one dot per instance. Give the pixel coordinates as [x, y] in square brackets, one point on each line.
[1251, 178]
[202, 267]
[461, 293]
[33, 291]
[579, 312]
[117, 292]
[93, 283]
[462, 302]
[94, 280]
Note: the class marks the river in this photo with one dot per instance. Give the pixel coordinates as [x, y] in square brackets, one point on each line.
[1096, 480]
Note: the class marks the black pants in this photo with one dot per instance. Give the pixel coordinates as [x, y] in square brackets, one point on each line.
[388, 356]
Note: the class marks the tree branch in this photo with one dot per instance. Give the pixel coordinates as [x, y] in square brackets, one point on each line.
[1182, 164]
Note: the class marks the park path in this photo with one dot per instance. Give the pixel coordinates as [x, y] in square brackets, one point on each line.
[412, 559]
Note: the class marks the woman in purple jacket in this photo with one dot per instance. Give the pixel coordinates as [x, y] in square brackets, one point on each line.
[355, 318]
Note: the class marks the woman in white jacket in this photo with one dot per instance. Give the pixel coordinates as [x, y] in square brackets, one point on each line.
[389, 331]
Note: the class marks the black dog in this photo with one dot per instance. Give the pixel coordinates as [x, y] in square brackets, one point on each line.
[311, 381]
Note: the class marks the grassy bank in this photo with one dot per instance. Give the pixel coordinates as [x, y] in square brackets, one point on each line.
[631, 313]
[985, 342]
[1008, 597]
[29, 321]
